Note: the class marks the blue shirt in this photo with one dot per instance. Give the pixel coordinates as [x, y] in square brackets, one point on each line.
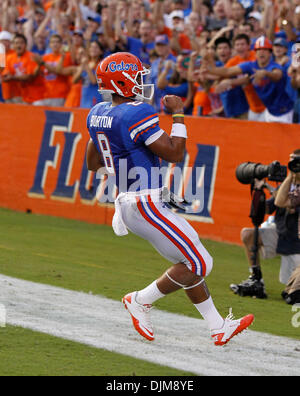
[272, 94]
[180, 90]
[234, 100]
[121, 134]
[35, 50]
[158, 93]
[89, 92]
[292, 92]
[139, 49]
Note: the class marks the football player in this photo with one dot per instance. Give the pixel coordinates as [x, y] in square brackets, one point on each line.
[127, 140]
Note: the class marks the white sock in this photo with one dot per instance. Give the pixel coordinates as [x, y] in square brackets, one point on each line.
[210, 314]
[149, 295]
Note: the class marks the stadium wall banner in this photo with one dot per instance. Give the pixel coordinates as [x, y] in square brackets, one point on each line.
[43, 168]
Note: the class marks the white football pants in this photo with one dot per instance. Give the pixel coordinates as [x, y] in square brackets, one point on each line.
[170, 234]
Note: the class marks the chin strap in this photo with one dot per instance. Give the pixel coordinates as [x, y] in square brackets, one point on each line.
[116, 88]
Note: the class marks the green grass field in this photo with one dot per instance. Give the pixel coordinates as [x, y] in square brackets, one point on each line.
[86, 257]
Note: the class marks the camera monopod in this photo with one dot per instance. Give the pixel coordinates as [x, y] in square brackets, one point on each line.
[257, 215]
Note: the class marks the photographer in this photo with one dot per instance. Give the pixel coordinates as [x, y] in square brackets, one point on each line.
[281, 237]
[288, 198]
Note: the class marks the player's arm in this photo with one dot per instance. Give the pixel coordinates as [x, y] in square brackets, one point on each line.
[172, 148]
[230, 83]
[93, 157]
[224, 72]
[23, 78]
[274, 75]
[209, 67]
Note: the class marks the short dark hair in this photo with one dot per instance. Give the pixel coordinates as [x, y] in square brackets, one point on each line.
[248, 24]
[57, 36]
[222, 40]
[207, 4]
[242, 36]
[21, 36]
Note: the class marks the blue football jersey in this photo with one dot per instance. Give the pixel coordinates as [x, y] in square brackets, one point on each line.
[272, 94]
[121, 134]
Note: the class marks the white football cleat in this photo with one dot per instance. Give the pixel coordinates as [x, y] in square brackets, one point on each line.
[231, 328]
[140, 315]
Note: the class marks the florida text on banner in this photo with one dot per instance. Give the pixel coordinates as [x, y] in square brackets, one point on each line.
[43, 167]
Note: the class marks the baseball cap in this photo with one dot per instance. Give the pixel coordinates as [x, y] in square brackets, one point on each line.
[21, 20]
[177, 14]
[256, 15]
[263, 43]
[162, 39]
[281, 41]
[4, 35]
[95, 18]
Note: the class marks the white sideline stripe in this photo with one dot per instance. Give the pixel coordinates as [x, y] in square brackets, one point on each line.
[181, 342]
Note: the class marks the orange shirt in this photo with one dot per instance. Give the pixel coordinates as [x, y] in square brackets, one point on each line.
[21, 10]
[48, 5]
[202, 104]
[253, 100]
[34, 89]
[74, 95]
[19, 66]
[56, 86]
[10, 89]
[183, 39]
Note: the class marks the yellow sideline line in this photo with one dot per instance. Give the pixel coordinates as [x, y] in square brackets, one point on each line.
[6, 247]
[62, 258]
[83, 263]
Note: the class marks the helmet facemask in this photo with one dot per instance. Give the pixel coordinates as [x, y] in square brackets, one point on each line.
[139, 90]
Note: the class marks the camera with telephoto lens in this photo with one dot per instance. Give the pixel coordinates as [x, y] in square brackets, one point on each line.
[248, 171]
[294, 165]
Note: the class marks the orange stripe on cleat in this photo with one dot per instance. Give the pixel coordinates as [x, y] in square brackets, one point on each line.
[149, 334]
[140, 331]
[245, 323]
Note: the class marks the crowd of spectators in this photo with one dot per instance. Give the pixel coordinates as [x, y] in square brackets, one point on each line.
[224, 58]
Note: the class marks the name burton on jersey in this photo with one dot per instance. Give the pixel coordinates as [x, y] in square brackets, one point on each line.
[101, 121]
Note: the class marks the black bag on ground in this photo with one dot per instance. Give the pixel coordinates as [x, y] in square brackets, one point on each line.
[291, 293]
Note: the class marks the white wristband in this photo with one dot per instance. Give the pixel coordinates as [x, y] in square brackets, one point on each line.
[179, 130]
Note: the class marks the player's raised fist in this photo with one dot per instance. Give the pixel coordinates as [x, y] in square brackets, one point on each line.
[173, 103]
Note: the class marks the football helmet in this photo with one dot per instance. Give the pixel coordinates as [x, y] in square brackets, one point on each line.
[263, 43]
[123, 73]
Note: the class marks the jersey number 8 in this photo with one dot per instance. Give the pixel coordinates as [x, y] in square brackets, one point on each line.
[106, 153]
